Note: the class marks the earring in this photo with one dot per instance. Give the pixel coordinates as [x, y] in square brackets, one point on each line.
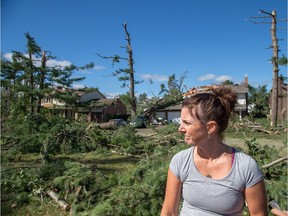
[209, 136]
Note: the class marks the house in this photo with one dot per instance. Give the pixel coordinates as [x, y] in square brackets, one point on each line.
[241, 108]
[58, 105]
[104, 109]
[94, 105]
[91, 96]
[170, 112]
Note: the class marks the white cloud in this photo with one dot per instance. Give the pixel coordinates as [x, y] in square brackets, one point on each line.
[8, 56]
[54, 63]
[206, 77]
[217, 79]
[78, 86]
[37, 61]
[111, 95]
[98, 67]
[223, 78]
[154, 77]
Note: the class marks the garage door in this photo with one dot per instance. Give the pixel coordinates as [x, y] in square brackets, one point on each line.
[172, 115]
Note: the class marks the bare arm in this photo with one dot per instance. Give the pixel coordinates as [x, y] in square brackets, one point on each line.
[256, 199]
[279, 212]
[172, 195]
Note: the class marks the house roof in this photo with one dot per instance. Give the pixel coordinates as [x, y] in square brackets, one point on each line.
[95, 95]
[177, 107]
[242, 88]
[102, 103]
[239, 88]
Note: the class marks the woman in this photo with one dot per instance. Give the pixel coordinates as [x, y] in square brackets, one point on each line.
[212, 177]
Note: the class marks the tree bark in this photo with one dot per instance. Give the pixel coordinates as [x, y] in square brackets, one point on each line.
[275, 162]
[62, 203]
[274, 110]
[131, 72]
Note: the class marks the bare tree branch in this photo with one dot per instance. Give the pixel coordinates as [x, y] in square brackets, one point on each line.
[111, 57]
[274, 162]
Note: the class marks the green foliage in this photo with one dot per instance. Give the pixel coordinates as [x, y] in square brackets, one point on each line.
[262, 154]
[17, 186]
[228, 82]
[49, 171]
[275, 176]
[51, 134]
[283, 61]
[27, 82]
[138, 192]
[259, 101]
[173, 91]
[109, 185]
[127, 140]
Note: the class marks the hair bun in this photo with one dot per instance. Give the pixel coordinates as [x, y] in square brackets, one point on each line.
[227, 96]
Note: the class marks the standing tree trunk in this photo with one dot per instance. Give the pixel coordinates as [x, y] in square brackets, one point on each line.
[274, 111]
[42, 79]
[31, 82]
[128, 72]
[131, 73]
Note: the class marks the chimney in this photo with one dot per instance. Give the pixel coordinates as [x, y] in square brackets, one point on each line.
[246, 80]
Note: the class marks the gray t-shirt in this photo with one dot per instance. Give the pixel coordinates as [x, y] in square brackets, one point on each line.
[205, 196]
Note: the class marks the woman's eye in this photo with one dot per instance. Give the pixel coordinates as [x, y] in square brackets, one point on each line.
[187, 123]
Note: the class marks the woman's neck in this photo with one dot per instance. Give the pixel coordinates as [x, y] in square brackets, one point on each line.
[212, 150]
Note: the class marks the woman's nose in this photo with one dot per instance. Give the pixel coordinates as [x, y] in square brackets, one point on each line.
[181, 129]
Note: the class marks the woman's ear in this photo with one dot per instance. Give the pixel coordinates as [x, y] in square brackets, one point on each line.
[211, 126]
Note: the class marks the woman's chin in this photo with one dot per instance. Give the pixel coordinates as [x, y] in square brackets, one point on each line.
[189, 142]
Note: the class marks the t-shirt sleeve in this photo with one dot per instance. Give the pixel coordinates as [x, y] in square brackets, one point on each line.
[175, 165]
[253, 173]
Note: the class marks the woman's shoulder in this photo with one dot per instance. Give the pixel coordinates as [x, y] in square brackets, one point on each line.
[248, 168]
[241, 155]
[184, 153]
[182, 156]
[244, 159]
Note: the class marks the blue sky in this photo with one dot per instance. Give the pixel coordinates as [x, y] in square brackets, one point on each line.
[210, 40]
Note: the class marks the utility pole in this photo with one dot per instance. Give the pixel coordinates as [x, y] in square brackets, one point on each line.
[274, 98]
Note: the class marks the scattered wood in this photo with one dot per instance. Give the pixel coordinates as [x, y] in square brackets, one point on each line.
[107, 125]
[275, 162]
[263, 130]
[149, 135]
[62, 203]
[256, 127]
[91, 125]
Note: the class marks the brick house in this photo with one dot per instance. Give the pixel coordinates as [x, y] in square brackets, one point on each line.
[94, 105]
[104, 109]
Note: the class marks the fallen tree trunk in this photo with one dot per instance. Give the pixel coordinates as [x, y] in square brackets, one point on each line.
[62, 203]
[107, 125]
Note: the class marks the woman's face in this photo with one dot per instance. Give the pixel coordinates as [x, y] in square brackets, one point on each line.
[194, 131]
